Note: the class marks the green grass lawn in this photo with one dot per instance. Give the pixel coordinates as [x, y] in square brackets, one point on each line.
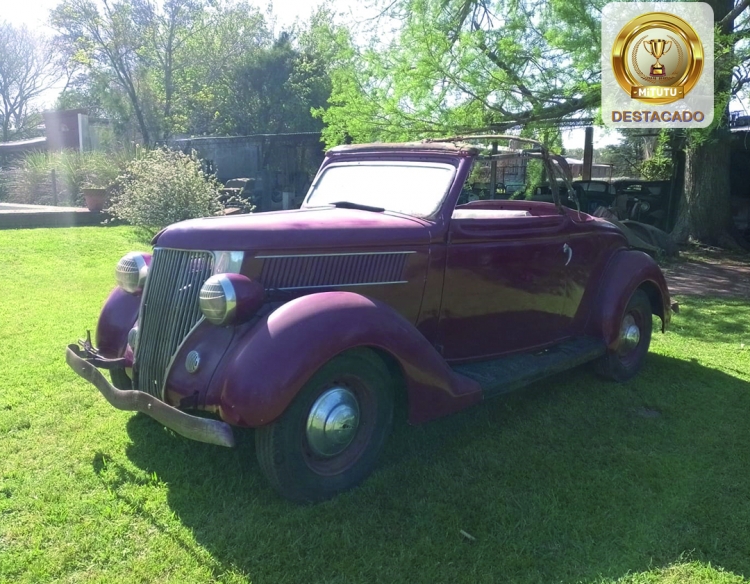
[572, 480]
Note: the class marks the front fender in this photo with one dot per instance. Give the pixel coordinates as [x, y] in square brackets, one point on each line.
[627, 271]
[118, 316]
[265, 369]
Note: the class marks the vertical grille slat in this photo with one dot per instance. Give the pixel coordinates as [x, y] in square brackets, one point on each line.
[176, 309]
[191, 274]
[169, 312]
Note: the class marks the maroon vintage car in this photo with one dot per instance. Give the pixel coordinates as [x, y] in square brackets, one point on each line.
[305, 324]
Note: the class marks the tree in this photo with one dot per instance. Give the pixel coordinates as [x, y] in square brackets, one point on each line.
[27, 69]
[145, 49]
[704, 156]
[460, 65]
[276, 87]
[107, 44]
[193, 66]
[206, 87]
[469, 64]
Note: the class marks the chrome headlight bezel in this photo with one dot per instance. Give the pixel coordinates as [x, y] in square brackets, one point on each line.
[228, 299]
[131, 271]
[133, 337]
[218, 300]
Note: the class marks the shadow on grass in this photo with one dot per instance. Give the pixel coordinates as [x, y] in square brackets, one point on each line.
[574, 479]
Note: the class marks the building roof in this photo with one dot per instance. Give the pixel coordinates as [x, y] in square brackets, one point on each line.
[23, 145]
[577, 161]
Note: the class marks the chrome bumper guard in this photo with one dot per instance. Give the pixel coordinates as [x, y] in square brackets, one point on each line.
[193, 427]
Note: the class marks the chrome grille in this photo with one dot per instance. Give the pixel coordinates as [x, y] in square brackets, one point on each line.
[169, 311]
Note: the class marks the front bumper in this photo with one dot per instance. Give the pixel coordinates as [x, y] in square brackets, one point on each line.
[193, 427]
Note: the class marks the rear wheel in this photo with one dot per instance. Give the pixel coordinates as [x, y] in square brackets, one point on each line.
[626, 360]
[332, 434]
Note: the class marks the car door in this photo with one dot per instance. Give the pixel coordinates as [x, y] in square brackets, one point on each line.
[505, 284]
[591, 244]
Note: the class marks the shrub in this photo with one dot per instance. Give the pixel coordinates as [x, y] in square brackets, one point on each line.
[659, 166]
[4, 185]
[163, 187]
[32, 181]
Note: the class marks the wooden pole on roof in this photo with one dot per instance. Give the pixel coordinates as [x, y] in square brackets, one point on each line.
[588, 153]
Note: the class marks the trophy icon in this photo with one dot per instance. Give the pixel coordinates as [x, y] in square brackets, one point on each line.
[656, 48]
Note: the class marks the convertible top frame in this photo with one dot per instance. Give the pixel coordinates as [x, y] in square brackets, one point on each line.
[554, 164]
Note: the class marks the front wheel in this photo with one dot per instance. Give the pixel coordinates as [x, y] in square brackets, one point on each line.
[626, 360]
[330, 437]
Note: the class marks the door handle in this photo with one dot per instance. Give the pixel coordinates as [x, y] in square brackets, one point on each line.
[569, 252]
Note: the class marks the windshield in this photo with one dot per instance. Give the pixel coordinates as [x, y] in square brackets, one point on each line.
[412, 188]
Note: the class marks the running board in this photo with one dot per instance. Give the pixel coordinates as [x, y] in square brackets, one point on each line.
[515, 371]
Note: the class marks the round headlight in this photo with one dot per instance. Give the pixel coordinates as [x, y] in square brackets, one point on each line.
[133, 337]
[131, 271]
[217, 300]
[230, 298]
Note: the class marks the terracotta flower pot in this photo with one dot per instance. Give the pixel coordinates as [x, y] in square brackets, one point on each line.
[95, 199]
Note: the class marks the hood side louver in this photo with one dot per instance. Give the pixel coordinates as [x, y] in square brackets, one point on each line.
[293, 272]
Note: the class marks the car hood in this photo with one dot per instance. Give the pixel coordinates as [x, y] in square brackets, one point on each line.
[298, 229]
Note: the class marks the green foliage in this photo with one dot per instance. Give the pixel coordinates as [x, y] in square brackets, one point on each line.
[5, 186]
[626, 158]
[163, 187]
[194, 67]
[659, 166]
[536, 174]
[468, 64]
[274, 89]
[32, 181]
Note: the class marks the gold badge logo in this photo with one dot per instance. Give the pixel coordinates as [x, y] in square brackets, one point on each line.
[657, 58]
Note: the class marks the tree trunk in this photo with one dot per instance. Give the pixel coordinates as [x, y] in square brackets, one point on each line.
[705, 207]
[705, 213]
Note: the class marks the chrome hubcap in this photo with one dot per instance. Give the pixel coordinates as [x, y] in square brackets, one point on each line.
[630, 335]
[332, 422]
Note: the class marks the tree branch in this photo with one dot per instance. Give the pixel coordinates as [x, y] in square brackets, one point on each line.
[734, 13]
[500, 64]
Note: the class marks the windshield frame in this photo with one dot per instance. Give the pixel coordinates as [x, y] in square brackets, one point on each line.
[422, 161]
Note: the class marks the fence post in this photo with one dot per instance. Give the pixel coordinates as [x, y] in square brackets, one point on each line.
[54, 188]
[493, 171]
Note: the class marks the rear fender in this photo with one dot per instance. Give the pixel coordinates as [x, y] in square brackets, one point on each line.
[265, 369]
[627, 271]
[118, 316]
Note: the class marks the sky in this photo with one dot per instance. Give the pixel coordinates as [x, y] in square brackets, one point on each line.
[34, 14]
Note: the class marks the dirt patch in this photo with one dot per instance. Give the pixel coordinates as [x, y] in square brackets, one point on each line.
[709, 276]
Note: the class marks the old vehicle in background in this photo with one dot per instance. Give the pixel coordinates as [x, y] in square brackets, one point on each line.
[592, 194]
[306, 324]
[647, 201]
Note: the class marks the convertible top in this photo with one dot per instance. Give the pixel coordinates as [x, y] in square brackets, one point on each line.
[446, 147]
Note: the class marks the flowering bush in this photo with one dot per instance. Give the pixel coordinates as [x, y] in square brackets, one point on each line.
[163, 187]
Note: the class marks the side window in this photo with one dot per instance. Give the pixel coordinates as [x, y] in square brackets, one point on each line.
[510, 177]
